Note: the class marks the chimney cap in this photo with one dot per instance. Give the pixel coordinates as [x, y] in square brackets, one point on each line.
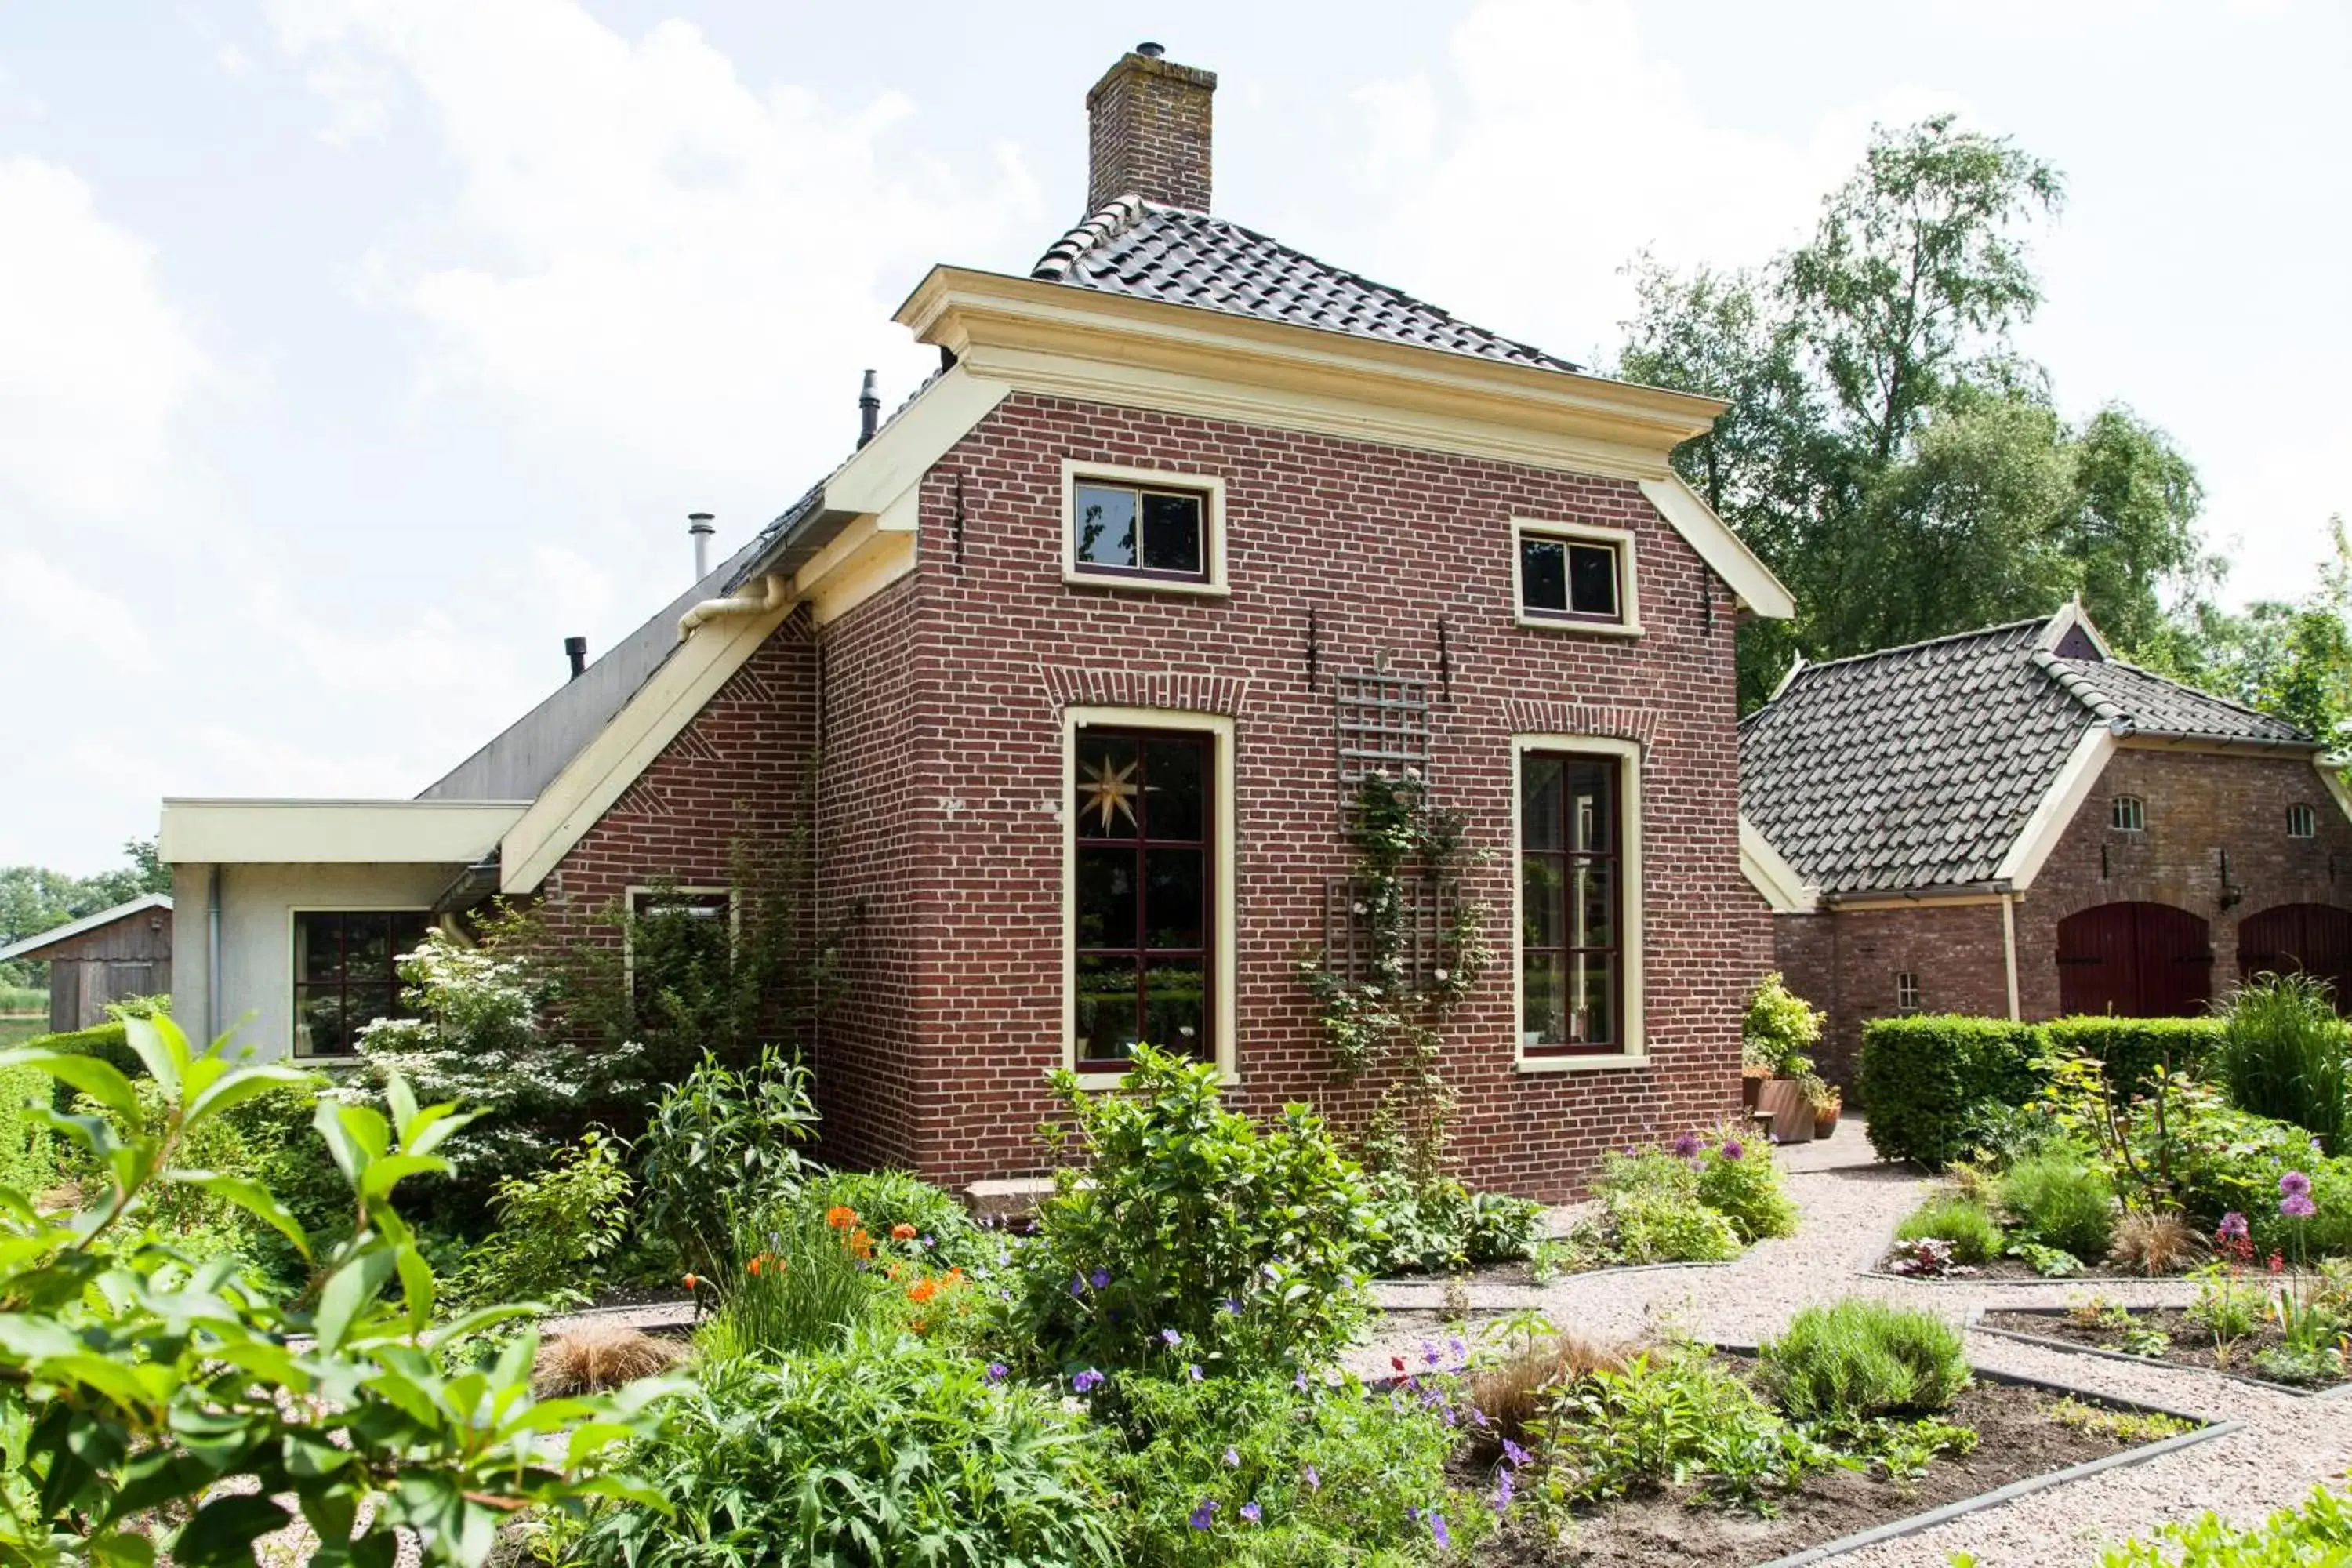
[699, 521]
[1149, 51]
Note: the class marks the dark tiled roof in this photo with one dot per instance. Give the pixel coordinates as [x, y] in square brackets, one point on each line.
[1153, 252]
[1918, 766]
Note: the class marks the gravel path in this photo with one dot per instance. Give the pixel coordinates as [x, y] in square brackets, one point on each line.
[1847, 1208]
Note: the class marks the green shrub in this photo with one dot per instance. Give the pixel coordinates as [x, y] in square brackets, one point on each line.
[2134, 1049]
[1924, 1077]
[2283, 1054]
[105, 1041]
[26, 1161]
[1654, 1214]
[1974, 1235]
[794, 1280]
[556, 1229]
[1336, 1475]
[721, 1149]
[881, 1450]
[1859, 1359]
[1672, 1416]
[2060, 1198]
[2320, 1532]
[884, 1199]
[1744, 1185]
[1187, 1218]
[1779, 1029]
[1432, 1227]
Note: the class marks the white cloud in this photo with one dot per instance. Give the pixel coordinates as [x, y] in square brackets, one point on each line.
[46, 607]
[233, 60]
[2267, 511]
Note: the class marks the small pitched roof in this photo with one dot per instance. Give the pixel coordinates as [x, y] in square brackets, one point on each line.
[35, 945]
[1151, 251]
[1918, 766]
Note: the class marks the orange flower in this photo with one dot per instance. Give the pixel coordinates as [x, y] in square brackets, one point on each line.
[861, 1246]
[955, 1275]
[755, 1267]
[691, 1282]
[922, 1290]
[902, 1231]
[892, 1273]
[840, 1216]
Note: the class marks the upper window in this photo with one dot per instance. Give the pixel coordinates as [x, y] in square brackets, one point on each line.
[1906, 992]
[1573, 577]
[2302, 822]
[343, 973]
[1143, 820]
[1142, 528]
[2125, 815]
[1571, 903]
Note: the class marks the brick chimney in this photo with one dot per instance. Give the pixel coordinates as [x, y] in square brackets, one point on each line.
[1148, 131]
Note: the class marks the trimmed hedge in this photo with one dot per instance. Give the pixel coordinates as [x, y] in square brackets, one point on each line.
[106, 1041]
[1924, 1077]
[2133, 1048]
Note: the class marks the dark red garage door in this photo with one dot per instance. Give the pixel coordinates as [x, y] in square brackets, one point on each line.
[2291, 938]
[2138, 960]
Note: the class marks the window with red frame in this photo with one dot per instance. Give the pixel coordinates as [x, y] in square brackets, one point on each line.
[1144, 813]
[1571, 904]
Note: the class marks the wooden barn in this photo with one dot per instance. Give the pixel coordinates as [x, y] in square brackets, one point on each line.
[122, 952]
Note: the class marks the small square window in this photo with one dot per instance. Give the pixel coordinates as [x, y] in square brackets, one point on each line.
[2125, 815]
[1906, 992]
[2302, 822]
[1133, 531]
[1568, 579]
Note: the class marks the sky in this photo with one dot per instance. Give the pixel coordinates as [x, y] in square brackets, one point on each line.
[355, 353]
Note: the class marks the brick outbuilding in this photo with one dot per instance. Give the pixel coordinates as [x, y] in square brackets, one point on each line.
[2015, 823]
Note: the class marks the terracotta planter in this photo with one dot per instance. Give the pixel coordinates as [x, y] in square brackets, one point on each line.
[1826, 1122]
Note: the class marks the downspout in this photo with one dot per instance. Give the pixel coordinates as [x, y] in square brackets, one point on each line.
[213, 953]
[774, 594]
[2009, 947]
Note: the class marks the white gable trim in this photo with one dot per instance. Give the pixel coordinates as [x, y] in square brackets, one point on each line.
[2056, 810]
[87, 922]
[1771, 875]
[1751, 581]
[2070, 615]
[2329, 780]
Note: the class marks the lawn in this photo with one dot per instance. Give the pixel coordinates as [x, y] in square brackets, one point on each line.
[14, 1030]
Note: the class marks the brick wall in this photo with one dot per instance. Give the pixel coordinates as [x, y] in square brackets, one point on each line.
[1845, 963]
[1148, 131]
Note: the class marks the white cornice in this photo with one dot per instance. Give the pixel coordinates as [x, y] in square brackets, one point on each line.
[1769, 873]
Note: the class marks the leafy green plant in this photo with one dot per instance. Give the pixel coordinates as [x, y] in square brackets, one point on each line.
[721, 1148]
[2283, 1054]
[1860, 1358]
[1653, 1213]
[880, 1450]
[1187, 1217]
[2050, 1262]
[556, 1229]
[1432, 1227]
[797, 1278]
[2131, 1051]
[26, 1162]
[2228, 1305]
[153, 1404]
[2123, 1425]
[884, 1200]
[1924, 1078]
[1899, 1449]
[2060, 1198]
[1779, 1029]
[2320, 1532]
[1975, 1236]
[1744, 1185]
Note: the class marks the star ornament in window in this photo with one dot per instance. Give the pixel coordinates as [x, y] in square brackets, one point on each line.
[1111, 793]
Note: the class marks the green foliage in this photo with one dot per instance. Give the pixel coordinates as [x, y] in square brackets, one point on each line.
[719, 1151]
[1860, 1358]
[1251, 1243]
[2131, 1051]
[2060, 1198]
[884, 1199]
[105, 1041]
[2320, 1532]
[28, 1163]
[2283, 1054]
[2228, 1306]
[2050, 1262]
[1974, 1233]
[1923, 1078]
[1779, 1029]
[2291, 659]
[153, 1404]
[2123, 1425]
[881, 1450]
[1335, 1472]
[796, 1281]
[17, 998]
[1651, 1211]
[1747, 1190]
[1432, 1226]
[557, 1229]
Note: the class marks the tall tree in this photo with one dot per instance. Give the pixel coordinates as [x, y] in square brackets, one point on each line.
[33, 898]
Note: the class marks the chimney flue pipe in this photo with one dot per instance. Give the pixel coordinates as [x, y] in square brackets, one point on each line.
[576, 650]
[698, 523]
[869, 410]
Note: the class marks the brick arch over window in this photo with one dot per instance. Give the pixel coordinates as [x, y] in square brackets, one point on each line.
[1067, 687]
[1526, 716]
[2135, 960]
[2299, 939]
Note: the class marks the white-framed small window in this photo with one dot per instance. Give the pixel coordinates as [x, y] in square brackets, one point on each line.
[2302, 822]
[1906, 992]
[1576, 959]
[2127, 814]
[1142, 528]
[1573, 577]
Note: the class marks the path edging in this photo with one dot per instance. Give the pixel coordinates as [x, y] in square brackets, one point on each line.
[1974, 1325]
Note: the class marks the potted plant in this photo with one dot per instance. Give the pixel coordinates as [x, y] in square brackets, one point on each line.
[1777, 1032]
[1756, 1064]
[1826, 1100]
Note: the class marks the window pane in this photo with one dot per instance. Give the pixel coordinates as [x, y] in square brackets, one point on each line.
[1539, 901]
[1172, 1007]
[363, 1006]
[1543, 574]
[367, 947]
[1106, 898]
[317, 1022]
[1592, 999]
[318, 947]
[1539, 787]
[1106, 526]
[1591, 806]
[1592, 580]
[408, 933]
[1592, 904]
[1543, 1015]
[1172, 898]
[1171, 533]
[1174, 784]
[1106, 993]
[1109, 786]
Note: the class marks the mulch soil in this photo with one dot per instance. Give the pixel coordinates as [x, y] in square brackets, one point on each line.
[2192, 1344]
[2017, 1438]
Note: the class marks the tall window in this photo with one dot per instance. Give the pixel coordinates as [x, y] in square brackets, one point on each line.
[343, 975]
[1571, 903]
[1143, 812]
[2127, 814]
[2302, 822]
[1906, 992]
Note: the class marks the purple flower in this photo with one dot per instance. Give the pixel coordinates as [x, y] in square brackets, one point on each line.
[1250, 1510]
[1088, 1381]
[2297, 1205]
[1077, 1287]
[1428, 1353]
[2294, 1184]
[1171, 1337]
[1732, 1148]
[997, 1372]
[1195, 1370]
[1514, 1453]
[1454, 1347]
[2234, 1226]
[1200, 1518]
[1444, 1537]
[1233, 1460]
[1101, 1278]
[1502, 1491]
[1687, 1145]
[1300, 1383]
[1313, 1478]
[1268, 1270]
[1413, 1512]
[1233, 1305]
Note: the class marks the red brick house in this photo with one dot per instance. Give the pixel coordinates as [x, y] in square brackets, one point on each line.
[1080, 649]
[2015, 823]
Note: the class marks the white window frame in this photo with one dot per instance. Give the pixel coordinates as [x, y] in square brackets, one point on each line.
[1908, 980]
[1631, 914]
[1208, 487]
[1224, 996]
[294, 1051]
[2138, 812]
[632, 892]
[2301, 816]
[1628, 623]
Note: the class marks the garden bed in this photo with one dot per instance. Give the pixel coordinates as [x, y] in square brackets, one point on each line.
[2189, 1343]
[2023, 1445]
